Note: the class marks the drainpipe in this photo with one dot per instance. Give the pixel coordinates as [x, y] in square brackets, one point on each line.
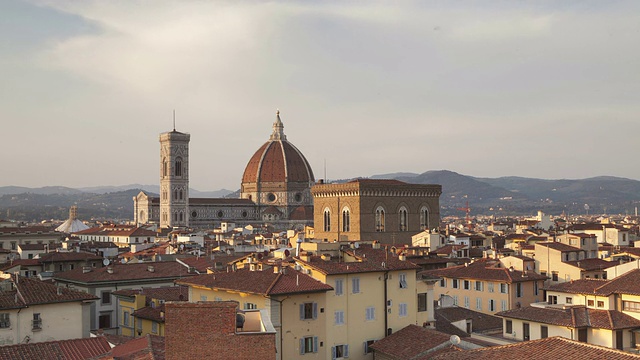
[386, 312]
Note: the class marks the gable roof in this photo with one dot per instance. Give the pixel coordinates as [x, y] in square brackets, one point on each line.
[75, 349]
[543, 349]
[577, 316]
[411, 342]
[626, 283]
[140, 272]
[265, 282]
[486, 270]
[149, 347]
[480, 321]
[30, 291]
[365, 259]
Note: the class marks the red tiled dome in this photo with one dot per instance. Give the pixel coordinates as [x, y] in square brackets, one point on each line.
[278, 161]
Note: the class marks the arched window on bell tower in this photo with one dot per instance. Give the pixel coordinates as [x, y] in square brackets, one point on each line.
[424, 218]
[178, 167]
[380, 219]
[346, 220]
[327, 220]
[402, 219]
[165, 167]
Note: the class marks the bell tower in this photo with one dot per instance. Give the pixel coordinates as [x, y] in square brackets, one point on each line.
[174, 179]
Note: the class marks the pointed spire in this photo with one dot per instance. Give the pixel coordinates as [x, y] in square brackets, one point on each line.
[278, 129]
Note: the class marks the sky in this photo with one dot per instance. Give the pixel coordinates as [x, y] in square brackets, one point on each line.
[543, 89]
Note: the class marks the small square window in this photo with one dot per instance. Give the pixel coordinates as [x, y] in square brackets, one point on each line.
[600, 304]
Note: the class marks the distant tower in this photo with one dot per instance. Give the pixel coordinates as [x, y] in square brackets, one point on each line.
[174, 179]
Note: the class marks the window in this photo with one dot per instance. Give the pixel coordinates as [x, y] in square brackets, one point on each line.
[554, 276]
[5, 321]
[178, 170]
[479, 286]
[492, 305]
[455, 283]
[355, 285]
[568, 300]
[327, 220]
[106, 297]
[346, 220]
[519, 290]
[424, 218]
[552, 299]
[308, 311]
[403, 281]
[479, 304]
[370, 313]
[339, 352]
[204, 298]
[164, 167]
[367, 346]
[490, 287]
[504, 288]
[125, 319]
[590, 302]
[104, 320]
[36, 323]
[544, 332]
[443, 282]
[466, 284]
[631, 306]
[466, 302]
[402, 219]
[13, 245]
[508, 327]
[503, 305]
[455, 300]
[422, 302]
[338, 288]
[250, 306]
[308, 344]
[600, 304]
[402, 309]
[380, 219]
[339, 317]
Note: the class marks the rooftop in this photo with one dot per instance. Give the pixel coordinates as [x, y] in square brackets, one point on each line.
[361, 260]
[577, 316]
[29, 291]
[161, 270]
[488, 270]
[75, 349]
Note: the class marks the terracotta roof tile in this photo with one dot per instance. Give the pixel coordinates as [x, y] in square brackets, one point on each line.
[30, 291]
[592, 264]
[367, 260]
[264, 282]
[480, 321]
[149, 347]
[486, 269]
[75, 349]
[543, 349]
[575, 316]
[626, 283]
[124, 272]
[410, 342]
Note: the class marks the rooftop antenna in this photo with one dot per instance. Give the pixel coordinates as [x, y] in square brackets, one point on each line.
[174, 119]
[325, 170]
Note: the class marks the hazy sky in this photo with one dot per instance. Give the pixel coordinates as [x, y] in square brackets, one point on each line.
[526, 88]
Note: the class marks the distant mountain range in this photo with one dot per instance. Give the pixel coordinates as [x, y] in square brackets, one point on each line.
[499, 196]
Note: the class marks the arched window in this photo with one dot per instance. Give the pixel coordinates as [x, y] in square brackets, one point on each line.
[346, 220]
[327, 220]
[402, 219]
[380, 219]
[175, 216]
[180, 194]
[181, 216]
[178, 167]
[424, 218]
[165, 166]
[175, 194]
[141, 219]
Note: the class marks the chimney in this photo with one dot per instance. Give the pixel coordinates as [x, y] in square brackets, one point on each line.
[110, 270]
[150, 268]
[276, 269]
[402, 257]
[326, 257]
[305, 256]
[86, 269]
[375, 245]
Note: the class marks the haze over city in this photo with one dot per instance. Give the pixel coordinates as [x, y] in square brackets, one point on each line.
[534, 89]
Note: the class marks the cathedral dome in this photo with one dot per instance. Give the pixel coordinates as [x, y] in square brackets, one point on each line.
[278, 161]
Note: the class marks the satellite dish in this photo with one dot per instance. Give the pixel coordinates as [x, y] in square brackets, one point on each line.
[287, 253]
[454, 339]
[356, 245]
[105, 262]
[228, 252]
